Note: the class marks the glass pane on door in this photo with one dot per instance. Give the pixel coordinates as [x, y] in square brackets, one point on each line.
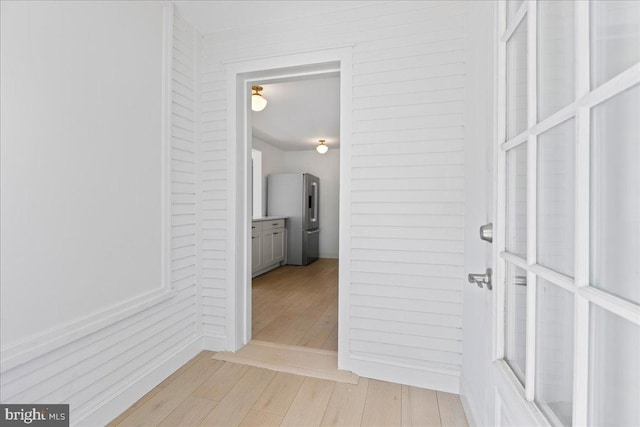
[614, 370]
[615, 195]
[554, 351]
[517, 81]
[615, 38]
[516, 199]
[516, 320]
[556, 56]
[556, 198]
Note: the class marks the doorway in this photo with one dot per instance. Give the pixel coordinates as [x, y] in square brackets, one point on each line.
[240, 77]
[295, 227]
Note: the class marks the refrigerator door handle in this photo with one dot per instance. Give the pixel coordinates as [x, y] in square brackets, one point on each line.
[314, 187]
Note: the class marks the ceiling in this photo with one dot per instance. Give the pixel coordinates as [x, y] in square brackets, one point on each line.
[212, 16]
[299, 113]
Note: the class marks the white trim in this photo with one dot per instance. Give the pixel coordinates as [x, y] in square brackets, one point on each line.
[197, 78]
[554, 120]
[558, 279]
[469, 407]
[47, 341]
[582, 204]
[507, 382]
[137, 387]
[239, 75]
[344, 230]
[214, 342]
[516, 20]
[417, 376]
[514, 259]
[499, 245]
[166, 143]
[613, 87]
[515, 141]
[618, 306]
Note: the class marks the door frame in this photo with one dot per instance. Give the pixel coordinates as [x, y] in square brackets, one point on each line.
[239, 77]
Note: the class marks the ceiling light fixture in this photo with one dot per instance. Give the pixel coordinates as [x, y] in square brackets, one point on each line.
[257, 100]
[321, 148]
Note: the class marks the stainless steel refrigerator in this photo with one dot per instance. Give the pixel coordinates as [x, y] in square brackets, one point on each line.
[297, 196]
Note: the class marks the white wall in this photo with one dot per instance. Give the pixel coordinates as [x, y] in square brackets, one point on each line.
[407, 177]
[272, 162]
[77, 130]
[82, 103]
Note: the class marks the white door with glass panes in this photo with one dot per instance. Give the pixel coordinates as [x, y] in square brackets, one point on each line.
[567, 218]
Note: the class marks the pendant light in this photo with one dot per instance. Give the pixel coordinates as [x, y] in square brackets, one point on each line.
[257, 100]
[321, 148]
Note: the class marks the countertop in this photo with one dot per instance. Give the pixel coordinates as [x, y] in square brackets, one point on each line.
[269, 218]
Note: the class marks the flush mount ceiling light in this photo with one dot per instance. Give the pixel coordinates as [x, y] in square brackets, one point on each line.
[321, 148]
[257, 100]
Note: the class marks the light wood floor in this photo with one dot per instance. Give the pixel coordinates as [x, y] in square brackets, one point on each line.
[208, 392]
[297, 305]
[294, 306]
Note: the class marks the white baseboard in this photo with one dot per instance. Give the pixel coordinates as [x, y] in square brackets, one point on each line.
[469, 407]
[120, 401]
[214, 343]
[404, 374]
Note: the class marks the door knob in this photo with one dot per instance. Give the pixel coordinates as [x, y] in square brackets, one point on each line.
[481, 279]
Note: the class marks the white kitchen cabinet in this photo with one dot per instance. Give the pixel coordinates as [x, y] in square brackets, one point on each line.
[267, 245]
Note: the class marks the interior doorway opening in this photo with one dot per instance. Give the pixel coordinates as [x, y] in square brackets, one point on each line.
[241, 76]
[295, 206]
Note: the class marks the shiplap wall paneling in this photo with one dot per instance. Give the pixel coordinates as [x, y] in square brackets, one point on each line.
[407, 199]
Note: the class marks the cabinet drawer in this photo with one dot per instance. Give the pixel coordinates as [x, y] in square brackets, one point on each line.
[256, 228]
[270, 225]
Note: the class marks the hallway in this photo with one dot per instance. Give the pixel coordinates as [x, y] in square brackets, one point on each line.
[210, 392]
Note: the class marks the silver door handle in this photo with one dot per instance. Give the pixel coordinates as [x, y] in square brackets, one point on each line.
[481, 279]
[313, 232]
[486, 232]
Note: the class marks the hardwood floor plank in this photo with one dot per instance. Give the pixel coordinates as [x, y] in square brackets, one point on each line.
[309, 405]
[155, 410]
[261, 419]
[158, 407]
[144, 399]
[419, 407]
[193, 377]
[383, 405]
[189, 413]
[346, 405]
[235, 406]
[183, 368]
[219, 384]
[279, 394]
[317, 335]
[451, 410]
[332, 340]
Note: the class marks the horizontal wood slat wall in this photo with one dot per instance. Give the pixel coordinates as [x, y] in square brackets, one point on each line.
[407, 199]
